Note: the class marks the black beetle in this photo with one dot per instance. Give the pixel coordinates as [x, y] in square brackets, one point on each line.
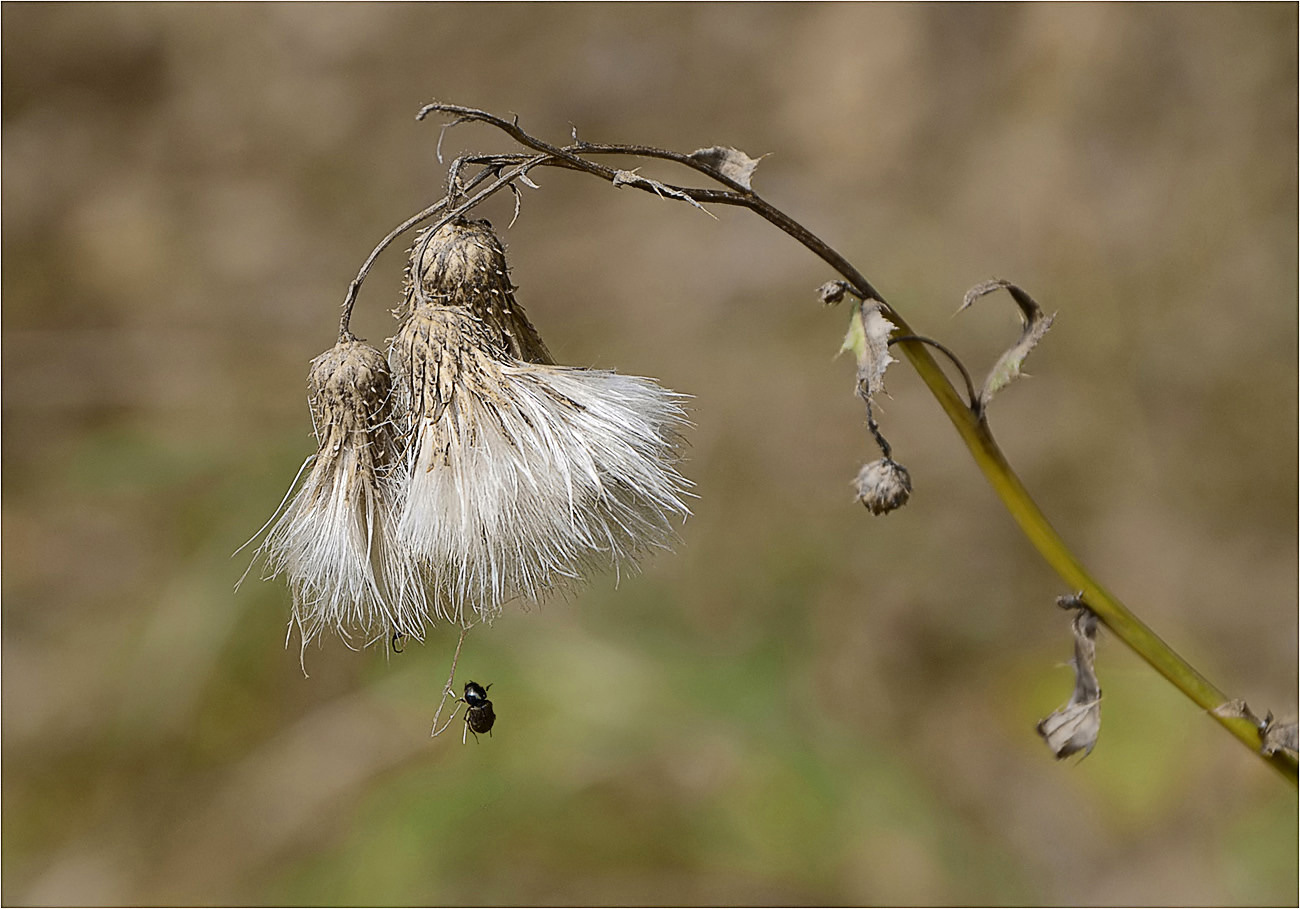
[478, 710]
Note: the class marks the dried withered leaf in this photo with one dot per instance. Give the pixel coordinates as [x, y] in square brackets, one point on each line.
[833, 292]
[632, 178]
[1278, 737]
[732, 163]
[868, 339]
[1274, 736]
[1007, 368]
[1237, 709]
[1075, 726]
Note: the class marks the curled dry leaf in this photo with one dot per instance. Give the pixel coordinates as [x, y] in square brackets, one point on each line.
[632, 178]
[868, 339]
[1075, 726]
[1273, 736]
[1278, 737]
[732, 163]
[1237, 709]
[1007, 368]
[833, 292]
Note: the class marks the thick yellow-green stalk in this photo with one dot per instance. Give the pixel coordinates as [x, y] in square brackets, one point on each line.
[974, 431]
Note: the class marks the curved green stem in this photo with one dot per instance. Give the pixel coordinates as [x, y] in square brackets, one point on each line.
[972, 428]
[1117, 617]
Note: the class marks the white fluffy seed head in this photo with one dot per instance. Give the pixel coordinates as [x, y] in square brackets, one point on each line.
[333, 541]
[477, 473]
[522, 478]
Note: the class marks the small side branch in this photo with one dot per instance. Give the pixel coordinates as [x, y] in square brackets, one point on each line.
[952, 358]
[502, 181]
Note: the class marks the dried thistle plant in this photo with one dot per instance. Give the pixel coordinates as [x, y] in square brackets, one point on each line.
[488, 473]
[519, 477]
[478, 471]
[333, 541]
[462, 264]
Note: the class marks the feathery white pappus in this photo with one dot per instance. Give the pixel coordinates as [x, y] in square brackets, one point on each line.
[332, 541]
[519, 477]
[475, 472]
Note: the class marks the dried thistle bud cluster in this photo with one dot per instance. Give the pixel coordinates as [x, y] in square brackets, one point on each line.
[477, 472]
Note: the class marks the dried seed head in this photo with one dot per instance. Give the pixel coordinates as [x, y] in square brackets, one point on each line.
[332, 541]
[463, 264]
[349, 389]
[480, 472]
[883, 486]
[522, 478]
[832, 292]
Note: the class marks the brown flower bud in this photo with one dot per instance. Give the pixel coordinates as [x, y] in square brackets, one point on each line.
[883, 486]
[463, 264]
[350, 391]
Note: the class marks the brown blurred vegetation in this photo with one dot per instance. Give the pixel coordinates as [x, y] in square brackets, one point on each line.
[803, 704]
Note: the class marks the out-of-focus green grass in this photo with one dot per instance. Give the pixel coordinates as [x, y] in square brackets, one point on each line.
[802, 704]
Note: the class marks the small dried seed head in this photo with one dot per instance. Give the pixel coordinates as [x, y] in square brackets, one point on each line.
[463, 264]
[832, 292]
[883, 486]
[351, 391]
[332, 541]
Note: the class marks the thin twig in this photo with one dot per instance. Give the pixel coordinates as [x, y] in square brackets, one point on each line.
[874, 428]
[952, 357]
[448, 690]
[350, 298]
[569, 156]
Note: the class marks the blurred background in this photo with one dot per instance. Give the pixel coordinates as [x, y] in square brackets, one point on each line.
[802, 704]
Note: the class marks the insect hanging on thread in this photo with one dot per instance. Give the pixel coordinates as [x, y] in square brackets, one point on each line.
[479, 715]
